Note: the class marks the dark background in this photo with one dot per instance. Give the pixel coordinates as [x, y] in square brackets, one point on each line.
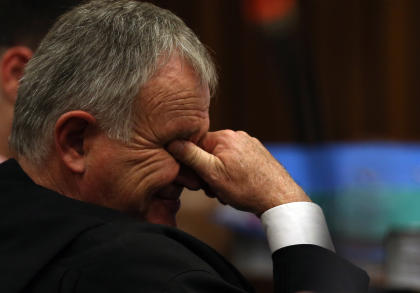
[346, 71]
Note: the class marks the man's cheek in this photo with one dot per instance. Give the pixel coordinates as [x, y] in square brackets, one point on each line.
[164, 168]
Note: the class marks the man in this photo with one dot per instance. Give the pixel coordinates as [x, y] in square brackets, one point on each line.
[23, 24]
[111, 122]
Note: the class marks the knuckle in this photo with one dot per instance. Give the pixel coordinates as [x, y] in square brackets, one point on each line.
[256, 140]
[213, 175]
[217, 172]
[241, 132]
[193, 157]
[228, 133]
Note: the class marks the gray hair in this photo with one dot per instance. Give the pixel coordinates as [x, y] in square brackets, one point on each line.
[96, 58]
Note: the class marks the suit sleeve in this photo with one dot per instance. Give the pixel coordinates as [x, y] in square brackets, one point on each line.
[303, 253]
[316, 269]
[296, 268]
[164, 263]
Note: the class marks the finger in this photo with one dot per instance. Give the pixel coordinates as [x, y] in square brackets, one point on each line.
[208, 190]
[209, 141]
[194, 157]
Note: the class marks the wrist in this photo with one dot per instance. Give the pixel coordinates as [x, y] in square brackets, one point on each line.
[284, 198]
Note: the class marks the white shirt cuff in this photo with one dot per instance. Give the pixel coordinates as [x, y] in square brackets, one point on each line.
[296, 223]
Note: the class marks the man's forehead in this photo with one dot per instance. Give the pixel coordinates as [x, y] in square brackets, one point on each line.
[176, 79]
[174, 104]
[173, 68]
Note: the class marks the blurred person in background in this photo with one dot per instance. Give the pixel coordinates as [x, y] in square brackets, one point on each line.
[23, 23]
[111, 123]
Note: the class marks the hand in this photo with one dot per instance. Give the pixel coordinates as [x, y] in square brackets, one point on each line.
[239, 170]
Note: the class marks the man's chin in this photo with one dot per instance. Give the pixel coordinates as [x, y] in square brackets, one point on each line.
[163, 211]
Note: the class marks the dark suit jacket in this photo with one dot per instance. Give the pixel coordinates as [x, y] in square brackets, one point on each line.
[51, 243]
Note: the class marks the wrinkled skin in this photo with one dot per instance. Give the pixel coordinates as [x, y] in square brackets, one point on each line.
[141, 177]
[145, 177]
[239, 170]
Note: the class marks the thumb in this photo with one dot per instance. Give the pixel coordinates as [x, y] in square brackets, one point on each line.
[193, 156]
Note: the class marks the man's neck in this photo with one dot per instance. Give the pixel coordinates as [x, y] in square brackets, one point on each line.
[50, 175]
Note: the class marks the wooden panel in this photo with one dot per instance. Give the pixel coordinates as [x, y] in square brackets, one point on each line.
[352, 72]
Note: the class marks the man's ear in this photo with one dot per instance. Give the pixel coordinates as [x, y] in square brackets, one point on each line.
[72, 131]
[12, 65]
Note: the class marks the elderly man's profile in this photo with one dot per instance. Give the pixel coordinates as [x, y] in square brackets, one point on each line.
[111, 123]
